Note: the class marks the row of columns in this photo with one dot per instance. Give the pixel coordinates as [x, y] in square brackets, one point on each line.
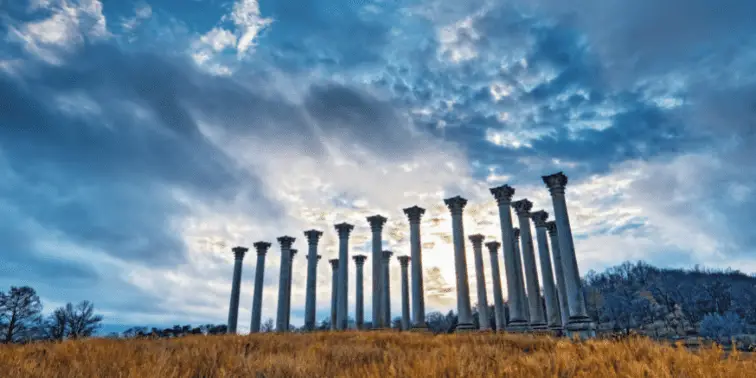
[563, 296]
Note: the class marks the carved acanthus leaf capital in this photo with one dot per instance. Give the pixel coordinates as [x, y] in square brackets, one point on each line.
[261, 247]
[522, 207]
[403, 260]
[359, 259]
[344, 229]
[493, 247]
[414, 213]
[239, 252]
[376, 222]
[456, 204]
[503, 194]
[292, 252]
[286, 241]
[539, 218]
[551, 227]
[476, 239]
[556, 182]
[516, 233]
[387, 255]
[313, 236]
[334, 263]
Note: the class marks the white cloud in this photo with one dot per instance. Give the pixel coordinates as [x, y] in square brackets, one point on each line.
[142, 12]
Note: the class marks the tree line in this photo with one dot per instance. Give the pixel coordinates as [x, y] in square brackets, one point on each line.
[21, 318]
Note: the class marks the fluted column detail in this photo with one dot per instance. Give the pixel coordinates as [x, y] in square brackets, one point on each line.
[404, 262]
[233, 308]
[457, 205]
[553, 317]
[501, 319]
[537, 318]
[386, 291]
[480, 275]
[359, 311]
[283, 282]
[579, 322]
[334, 292]
[342, 312]
[414, 215]
[518, 257]
[292, 253]
[564, 309]
[313, 236]
[376, 229]
[262, 249]
[518, 319]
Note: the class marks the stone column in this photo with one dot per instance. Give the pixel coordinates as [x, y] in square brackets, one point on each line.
[233, 308]
[480, 275]
[518, 320]
[404, 261]
[553, 317]
[359, 261]
[342, 311]
[313, 236]
[334, 292]
[579, 321]
[414, 214]
[518, 257]
[376, 227]
[537, 318]
[386, 291]
[262, 250]
[283, 282]
[501, 319]
[564, 309]
[292, 252]
[456, 205]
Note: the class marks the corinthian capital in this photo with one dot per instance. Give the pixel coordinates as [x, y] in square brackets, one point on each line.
[555, 182]
[261, 247]
[286, 241]
[551, 227]
[414, 213]
[344, 229]
[404, 260]
[493, 247]
[359, 259]
[522, 207]
[476, 239]
[313, 236]
[239, 252]
[503, 194]
[376, 222]
[456, 204]
[539, 218]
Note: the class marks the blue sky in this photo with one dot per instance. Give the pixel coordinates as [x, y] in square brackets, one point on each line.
[140, 141]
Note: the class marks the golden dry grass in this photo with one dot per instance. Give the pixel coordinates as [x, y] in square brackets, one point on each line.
[368, 354]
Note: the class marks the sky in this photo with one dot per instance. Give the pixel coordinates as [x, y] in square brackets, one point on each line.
[141, 141]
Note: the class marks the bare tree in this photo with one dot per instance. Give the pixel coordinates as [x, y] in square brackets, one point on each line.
[81, 319]
[19, 313]
[267, 326]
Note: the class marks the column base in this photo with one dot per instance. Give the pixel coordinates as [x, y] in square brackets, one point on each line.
[517, 326]
[536, 327]
[465, 328]
[557, 330]
[422, 328]
[581, 326]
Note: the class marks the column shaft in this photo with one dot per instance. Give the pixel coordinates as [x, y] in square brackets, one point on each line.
[404, 261]
[283, 283]
[501, 320]
[292, 252]
[262, 249]
[564, 309]
[312, 272]
[480, 275]
[376, 228]
[553, 317]
[518, 319]
[579, 322]
[537, 318]
[464, 322]
[418, 293]
[342, 312]
[386, 291]
[521, 274]
[334, 293]
[359, 310]
[233, 308]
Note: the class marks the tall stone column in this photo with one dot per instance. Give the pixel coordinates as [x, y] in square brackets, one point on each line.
[283, 282]
[386, 291]
[262, 249]
[579, 322]
[553, 317]
[518, 319]
[233, 308]
[414, 214]
[334, 292]
[404, 261]
[376, 227]
[480, 275]
[359, 261]
[342, 312]
[537, 318]
[313, 236]
[292, 253]
[564, 309]
[456, 205]
[518, 257]
[501, 319]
